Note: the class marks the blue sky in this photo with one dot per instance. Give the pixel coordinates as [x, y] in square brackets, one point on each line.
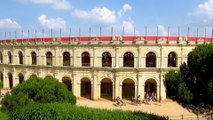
[27, 18]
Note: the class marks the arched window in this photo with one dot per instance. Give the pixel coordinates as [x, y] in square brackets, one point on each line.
[128, 59]
[20, 78]
[150, 59]
[1, 57]
[9, 57]
[10, 78]
[49, 58]
[85, 58]
[34, 58]
[2, 79]
[106, 59]
[172, 59]
[20, 56]
[66, 59]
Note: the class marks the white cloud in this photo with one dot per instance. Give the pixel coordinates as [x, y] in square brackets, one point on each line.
[99, 14]
[9, 24]
[52, 23]
[102, 15]
[125, 8]
[162, 31]
[56, 4]
[204, 10]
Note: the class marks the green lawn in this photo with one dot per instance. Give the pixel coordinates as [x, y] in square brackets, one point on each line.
[61, 111]
[4, 115]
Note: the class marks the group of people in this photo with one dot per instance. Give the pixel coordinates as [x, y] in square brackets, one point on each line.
[136, 101]
[119, 101]
[149, 98]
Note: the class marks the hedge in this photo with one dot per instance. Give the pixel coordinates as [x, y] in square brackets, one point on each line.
[37, 90]
[65, 111]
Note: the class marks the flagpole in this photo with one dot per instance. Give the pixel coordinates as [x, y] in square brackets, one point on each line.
[100, 32]
[90, 31]
[112, 31]
[168, 32]
[157, 31]
[42, 33]
[178, 31]
[60, 32]
[79, 32]
[134, 32]
[22, 34]
[9, 35]
[51, 32]
[15, 34]
[123, 32]
[70, 32]
[197, 32]
[188, 32]
[28, 33]
[35, 33]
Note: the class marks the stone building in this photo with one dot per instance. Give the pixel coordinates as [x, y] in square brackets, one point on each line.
[97, 67]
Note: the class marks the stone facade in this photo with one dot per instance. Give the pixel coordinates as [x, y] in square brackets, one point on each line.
[97, 67]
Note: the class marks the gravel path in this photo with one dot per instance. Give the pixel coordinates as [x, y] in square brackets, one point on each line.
[166, 108]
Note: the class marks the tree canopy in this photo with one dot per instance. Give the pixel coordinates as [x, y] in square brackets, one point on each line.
[194, 81]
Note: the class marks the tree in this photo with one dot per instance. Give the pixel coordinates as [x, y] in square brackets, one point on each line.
[38, 90]
[184, 95]
[172, 80]
[200, 64]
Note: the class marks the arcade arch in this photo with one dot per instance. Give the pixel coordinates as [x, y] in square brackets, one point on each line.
[67, 81]
[106, 88]
[86, 88]
[128, 88]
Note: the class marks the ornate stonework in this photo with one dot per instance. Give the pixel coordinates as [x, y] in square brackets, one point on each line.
[97, 67]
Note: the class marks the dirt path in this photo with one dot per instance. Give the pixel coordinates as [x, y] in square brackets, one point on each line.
[167, 108]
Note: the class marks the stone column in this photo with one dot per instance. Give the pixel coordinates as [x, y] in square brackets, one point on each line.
[139, 57]
[15, 80]
[140, 85]
[26, 57]
[113, 91]
[76, 85]
[142, 90]
[116, 86]
[136, 90]
[6, 81]
[116, 57]
[94, 60]
[120, 90]
[158, 91]
[99, 90]
[94, 87]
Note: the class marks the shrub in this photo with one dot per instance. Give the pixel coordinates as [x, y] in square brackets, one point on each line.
[171, 82]
[38, 90]
[184, 95]
[65, 111]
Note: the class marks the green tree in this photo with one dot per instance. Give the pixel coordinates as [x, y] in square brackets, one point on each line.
[184, 95]
[38, 90]
[200, 62]
[172, 80]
